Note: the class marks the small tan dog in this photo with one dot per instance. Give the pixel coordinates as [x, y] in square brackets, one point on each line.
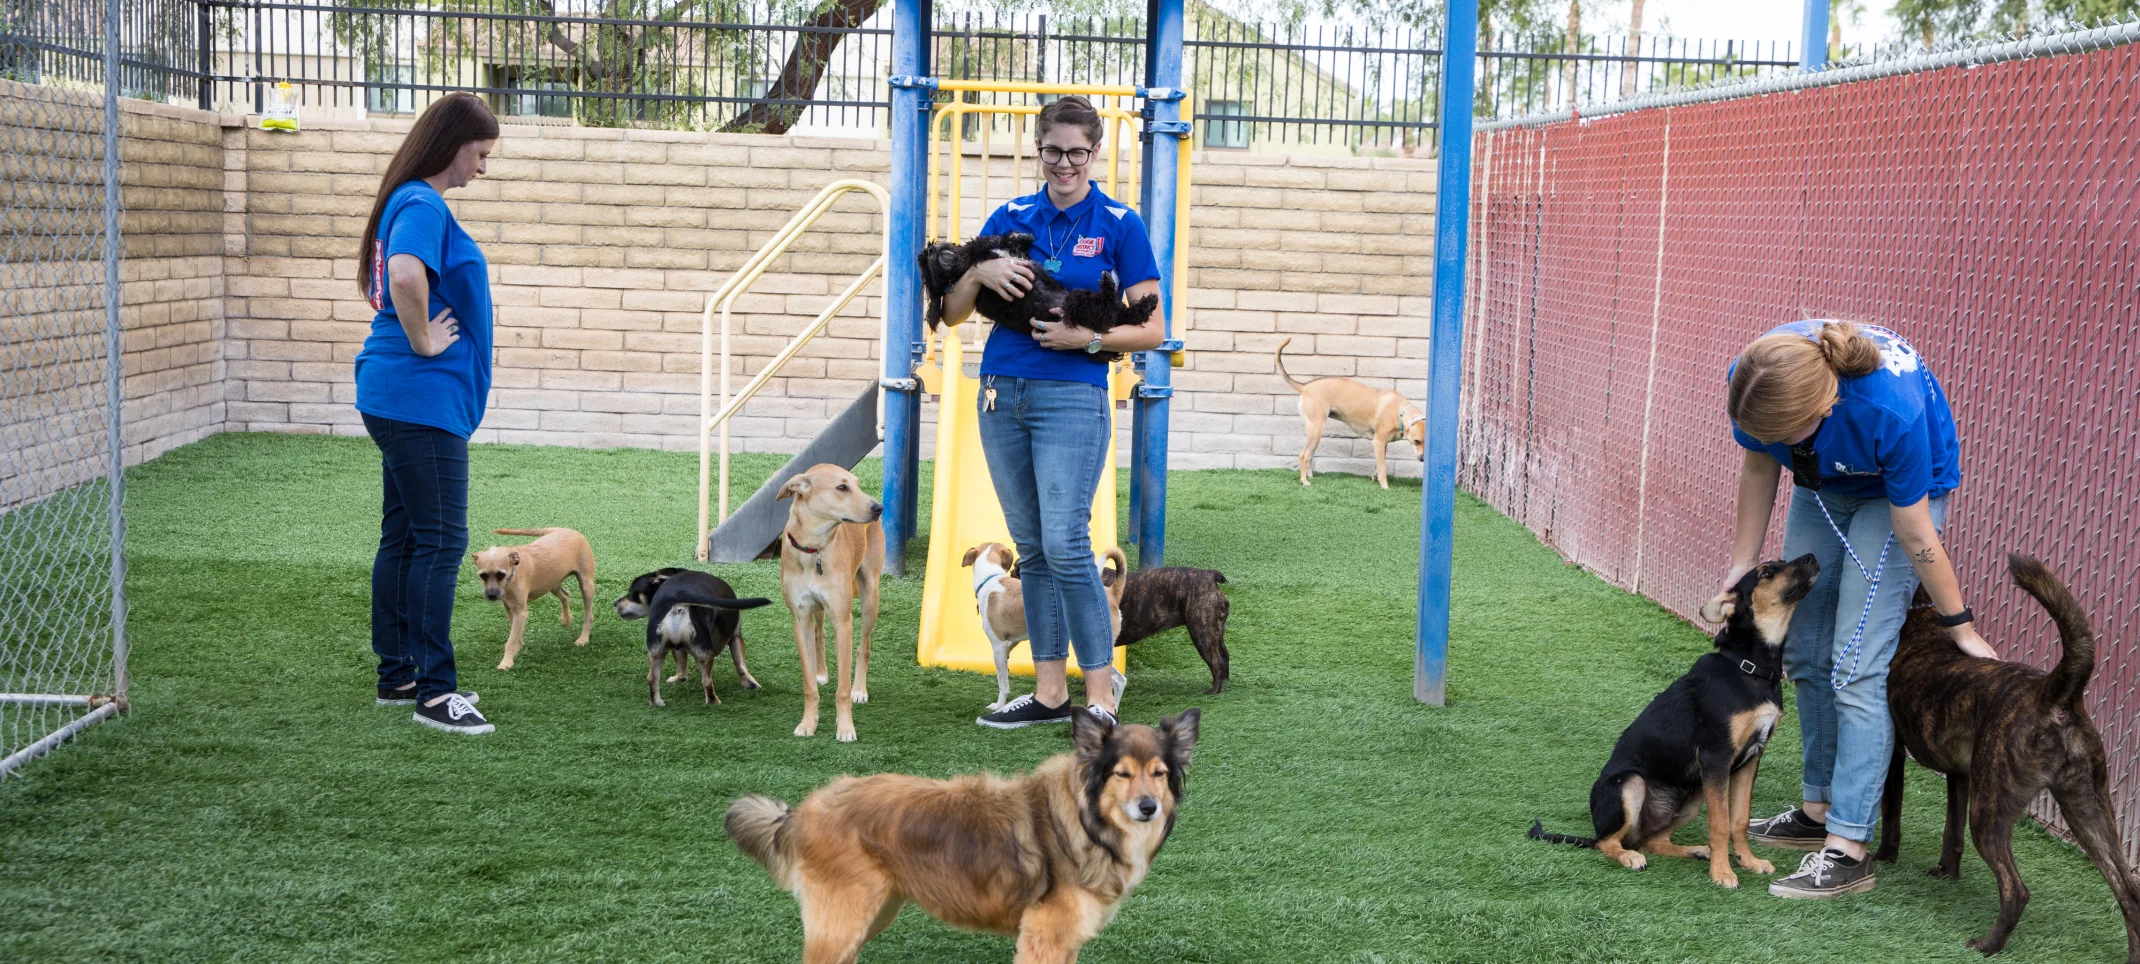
[515, 574]
[831, 551]
[1376, 414]
[1000, 598]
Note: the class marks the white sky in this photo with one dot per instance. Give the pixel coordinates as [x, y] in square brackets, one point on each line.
[1750, 19]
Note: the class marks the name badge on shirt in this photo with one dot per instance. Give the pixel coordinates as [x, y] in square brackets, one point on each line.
[1088, 247]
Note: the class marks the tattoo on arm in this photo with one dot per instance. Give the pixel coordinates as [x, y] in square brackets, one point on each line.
[1924, 555]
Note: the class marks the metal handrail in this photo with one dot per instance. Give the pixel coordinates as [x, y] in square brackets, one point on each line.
[724, 299]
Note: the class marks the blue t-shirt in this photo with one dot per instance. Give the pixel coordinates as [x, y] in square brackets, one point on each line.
[1096, 234]
[447, 390]
[1891, 434]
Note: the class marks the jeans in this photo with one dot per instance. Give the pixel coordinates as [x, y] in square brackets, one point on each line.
[423, 529]
[1046, 442]
[1846, 735]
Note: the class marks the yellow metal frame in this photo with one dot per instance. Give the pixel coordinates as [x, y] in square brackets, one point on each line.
[723, 300]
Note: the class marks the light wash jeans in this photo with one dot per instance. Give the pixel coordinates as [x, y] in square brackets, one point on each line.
[1846, 735]
[1046, 442]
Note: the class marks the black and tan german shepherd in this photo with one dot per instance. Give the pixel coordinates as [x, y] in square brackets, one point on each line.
[1699, 742]
[1046, 856]
[2002, 733]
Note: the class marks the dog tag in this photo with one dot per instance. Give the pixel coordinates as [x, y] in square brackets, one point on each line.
[820, 565]
[1053, 265]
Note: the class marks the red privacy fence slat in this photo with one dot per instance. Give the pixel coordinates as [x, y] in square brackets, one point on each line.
[1989, 214]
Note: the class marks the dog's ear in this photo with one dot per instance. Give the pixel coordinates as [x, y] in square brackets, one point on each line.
[1719, 609]
[1181, 733]
[668, 571]
[475, 559]
[513, 556]
[971, 555]
[1089, 733]
[793, 488]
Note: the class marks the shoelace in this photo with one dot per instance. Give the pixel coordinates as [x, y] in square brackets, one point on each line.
[1817, 867]
[1017, 704]
[456, 707]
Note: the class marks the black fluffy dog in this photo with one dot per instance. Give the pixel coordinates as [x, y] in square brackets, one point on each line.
[942, 265]
[688, 611]
[1699, 742]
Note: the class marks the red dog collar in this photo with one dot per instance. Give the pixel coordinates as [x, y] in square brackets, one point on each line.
[799, 546]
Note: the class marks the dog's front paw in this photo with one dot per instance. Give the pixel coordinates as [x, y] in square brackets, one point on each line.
[1632, 860]
[846, 734]
[750, 683]
[1697, 853]
[1757, 865]
[822, 679]
[508, 664]
[1986, 946]
[678, 678]
[859, 696]
[807, 728]
[1942, 872]
[1724, 878]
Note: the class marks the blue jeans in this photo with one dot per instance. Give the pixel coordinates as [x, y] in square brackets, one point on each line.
[1046, 442]
[1846, 735]
[423, 529]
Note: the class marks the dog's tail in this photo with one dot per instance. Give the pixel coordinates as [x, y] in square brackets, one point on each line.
[2069, 679]
[720, 602]
[1539, 832]
[524, 532]
[759, 826]
[1120, 575]
[1280, 356]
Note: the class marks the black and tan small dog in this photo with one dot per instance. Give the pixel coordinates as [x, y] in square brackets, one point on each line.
[1156, 600]
[942, 265]
[688, 611]
[1700, 741]
[1047, 856]
[2002, 733]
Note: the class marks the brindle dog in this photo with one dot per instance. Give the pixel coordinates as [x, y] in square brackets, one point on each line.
[1156, 600]
[2003, 733]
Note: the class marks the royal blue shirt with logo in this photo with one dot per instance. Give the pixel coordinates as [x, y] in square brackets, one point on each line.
[1095, 235]
[1890, 435]
[447, 390]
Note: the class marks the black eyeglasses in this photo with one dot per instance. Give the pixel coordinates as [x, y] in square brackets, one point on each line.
[1077, 156]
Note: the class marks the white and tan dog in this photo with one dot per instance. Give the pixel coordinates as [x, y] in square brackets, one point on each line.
[1377, 414]
[515, 574]
[831, 553]
[1001, 599]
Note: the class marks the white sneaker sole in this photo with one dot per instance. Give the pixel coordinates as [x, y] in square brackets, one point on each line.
[1022, 724]
[477, 730]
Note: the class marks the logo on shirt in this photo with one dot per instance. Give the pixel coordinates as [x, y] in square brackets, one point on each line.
[378, 275]
[1896, 355]
[1845, 469]
[1088, 247]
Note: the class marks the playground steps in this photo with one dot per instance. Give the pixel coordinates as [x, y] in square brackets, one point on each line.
[755, 526]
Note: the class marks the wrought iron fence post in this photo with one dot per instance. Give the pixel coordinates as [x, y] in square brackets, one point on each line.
[204, 58]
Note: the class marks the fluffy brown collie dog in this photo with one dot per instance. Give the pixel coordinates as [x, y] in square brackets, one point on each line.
[1046, 855]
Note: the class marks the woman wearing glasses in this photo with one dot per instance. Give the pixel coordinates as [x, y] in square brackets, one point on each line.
[1044, 407]
[1856, 414]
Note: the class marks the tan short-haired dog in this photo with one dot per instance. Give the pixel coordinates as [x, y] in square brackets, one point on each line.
[1377, 414]
[515, 574]
[831, 552]
[1048, 855]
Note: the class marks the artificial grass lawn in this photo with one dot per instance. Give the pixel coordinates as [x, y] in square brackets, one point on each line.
[255, 805]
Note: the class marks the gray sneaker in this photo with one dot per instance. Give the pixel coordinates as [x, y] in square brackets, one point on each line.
[1824, 874]
[1791, 830]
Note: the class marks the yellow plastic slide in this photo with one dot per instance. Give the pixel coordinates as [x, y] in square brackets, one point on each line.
[965, 514]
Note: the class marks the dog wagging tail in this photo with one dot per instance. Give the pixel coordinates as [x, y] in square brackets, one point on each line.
[1539, 832]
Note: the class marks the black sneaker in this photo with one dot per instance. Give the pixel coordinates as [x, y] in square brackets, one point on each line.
[407, 697]
[1791, 830]
[1824, 874]
[454, 715]
[1026, 710]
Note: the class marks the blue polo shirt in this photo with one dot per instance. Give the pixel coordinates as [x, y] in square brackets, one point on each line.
[1094, 235]
[448, 390]
[1891, 434]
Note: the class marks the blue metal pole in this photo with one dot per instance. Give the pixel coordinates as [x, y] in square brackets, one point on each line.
[1813, 43]
[1147, 142]
[902, 286]
[1153, 396]
[1452, 222]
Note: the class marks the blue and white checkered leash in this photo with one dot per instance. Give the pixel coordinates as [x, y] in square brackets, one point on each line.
[1855, 650]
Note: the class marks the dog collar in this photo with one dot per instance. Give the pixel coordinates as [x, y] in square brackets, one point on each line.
[1747, 666]
[983, 587]
[799, 547]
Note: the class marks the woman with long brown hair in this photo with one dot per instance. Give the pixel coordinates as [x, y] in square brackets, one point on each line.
[1866, 430]
[1045, 416]
[422, 379]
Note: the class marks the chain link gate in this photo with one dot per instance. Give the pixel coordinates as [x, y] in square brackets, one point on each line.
[62, 535]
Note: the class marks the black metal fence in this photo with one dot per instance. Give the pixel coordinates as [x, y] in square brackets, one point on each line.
[805, 66]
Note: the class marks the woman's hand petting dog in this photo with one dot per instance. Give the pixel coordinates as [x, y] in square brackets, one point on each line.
[1009, 277]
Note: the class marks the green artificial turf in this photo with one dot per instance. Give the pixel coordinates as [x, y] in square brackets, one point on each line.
[256, 806]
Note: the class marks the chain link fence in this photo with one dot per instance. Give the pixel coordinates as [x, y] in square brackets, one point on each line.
[1977, 200]
[62, 603]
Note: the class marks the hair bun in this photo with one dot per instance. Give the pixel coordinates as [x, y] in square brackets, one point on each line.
[1847, 349]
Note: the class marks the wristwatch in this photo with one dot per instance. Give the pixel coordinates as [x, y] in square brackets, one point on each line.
[1093, 347]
